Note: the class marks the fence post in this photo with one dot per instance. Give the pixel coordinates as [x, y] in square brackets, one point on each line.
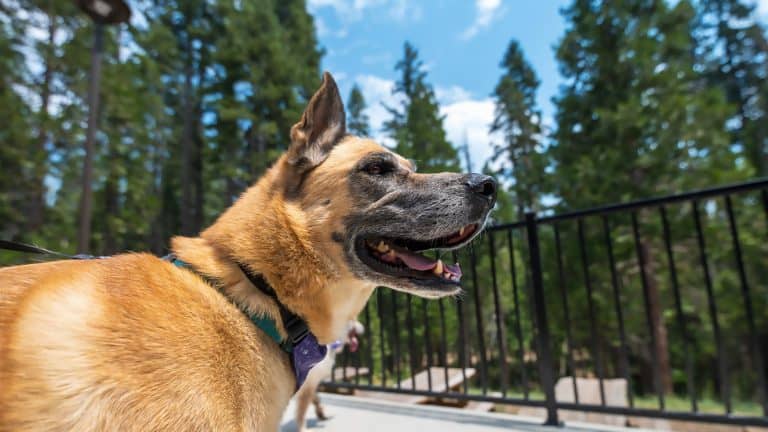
[544, 356]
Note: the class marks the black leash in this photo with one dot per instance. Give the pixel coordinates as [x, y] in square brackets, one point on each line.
[27, 248]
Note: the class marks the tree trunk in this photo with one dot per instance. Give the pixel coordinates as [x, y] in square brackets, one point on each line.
[657, 320]
[36, 211]
[86, 197]
[157, 232]
[187, 149]
[111, 201]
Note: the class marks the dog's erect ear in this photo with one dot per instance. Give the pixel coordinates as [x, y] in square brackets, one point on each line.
[321, 126]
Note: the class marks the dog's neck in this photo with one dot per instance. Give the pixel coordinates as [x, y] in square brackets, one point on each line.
[270, 241]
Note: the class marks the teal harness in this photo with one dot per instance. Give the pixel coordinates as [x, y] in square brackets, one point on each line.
[301, 345]
[265, 323]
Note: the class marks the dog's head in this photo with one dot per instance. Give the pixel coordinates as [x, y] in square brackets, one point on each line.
[369, 212]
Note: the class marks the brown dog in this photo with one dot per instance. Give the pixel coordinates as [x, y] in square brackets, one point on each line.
[136, 343]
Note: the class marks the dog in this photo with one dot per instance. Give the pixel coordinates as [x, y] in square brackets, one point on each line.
[220, 335]
[308, 392]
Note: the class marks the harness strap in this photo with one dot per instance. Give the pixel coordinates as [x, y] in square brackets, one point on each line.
[295, 326]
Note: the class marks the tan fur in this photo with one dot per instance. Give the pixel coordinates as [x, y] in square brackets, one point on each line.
[133, 343]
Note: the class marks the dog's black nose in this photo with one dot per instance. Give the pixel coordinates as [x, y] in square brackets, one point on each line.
[482, 185]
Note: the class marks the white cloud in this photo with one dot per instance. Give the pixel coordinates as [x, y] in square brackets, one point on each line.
[485, 12]
[352, 10]
[448, 95]
[762, 8]
[322, 29]
[466, 119]
[378, 94]
[404, 10]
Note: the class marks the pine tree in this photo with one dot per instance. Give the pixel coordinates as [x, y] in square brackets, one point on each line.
[734, 50]
[417, 127]
[269, 77]
[519, 157]
[357, 123]
[633, 121]
[14, 134]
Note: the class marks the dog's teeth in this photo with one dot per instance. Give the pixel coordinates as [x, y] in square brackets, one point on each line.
[382, 247]
[438, 270]
[390, 255]
[461, 231]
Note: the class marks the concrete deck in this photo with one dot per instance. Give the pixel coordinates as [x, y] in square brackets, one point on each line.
[351, 414]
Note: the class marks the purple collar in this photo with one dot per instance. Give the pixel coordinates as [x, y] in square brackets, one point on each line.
[306, 355]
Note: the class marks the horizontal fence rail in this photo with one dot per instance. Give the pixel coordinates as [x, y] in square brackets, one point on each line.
[654, 308]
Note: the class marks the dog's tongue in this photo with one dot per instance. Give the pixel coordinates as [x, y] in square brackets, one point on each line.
[353, 343]
[416, 261]
[422, 263]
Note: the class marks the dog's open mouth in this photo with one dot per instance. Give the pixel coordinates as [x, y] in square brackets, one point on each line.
[401, 257]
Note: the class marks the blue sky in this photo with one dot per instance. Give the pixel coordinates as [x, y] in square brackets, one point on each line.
[460, 42]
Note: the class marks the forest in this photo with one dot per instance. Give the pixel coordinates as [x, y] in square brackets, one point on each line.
[657, 97]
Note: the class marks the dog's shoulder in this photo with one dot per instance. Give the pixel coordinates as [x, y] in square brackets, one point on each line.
[135, 334]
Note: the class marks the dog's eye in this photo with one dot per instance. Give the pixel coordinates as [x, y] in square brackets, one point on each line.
[377, 168]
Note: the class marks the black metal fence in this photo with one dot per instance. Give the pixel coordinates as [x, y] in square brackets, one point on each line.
[669, 295]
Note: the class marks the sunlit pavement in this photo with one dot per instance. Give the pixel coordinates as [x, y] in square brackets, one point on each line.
[358, 414]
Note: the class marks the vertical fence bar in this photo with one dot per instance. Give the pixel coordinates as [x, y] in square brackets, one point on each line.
[444, 341]
[369, 343]
[358, 358]
[345, 361]
[591, 311]
[479, 322]
[545, 355]
[411, 346]
[462, 339]
[382, 339]
[687, 348]
[722, 370]
[518, 324]
[648, 314]
[764, 195]
[500, 336]
[757, 351]
[566, 310]
[396, 338]
[619, 312]
[428, 342]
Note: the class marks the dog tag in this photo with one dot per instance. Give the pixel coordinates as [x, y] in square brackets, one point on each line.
[305, 355]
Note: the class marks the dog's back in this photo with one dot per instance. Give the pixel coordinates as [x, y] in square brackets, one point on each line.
[127, 343]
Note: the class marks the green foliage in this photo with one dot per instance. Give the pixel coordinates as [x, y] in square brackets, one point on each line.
[357, 123]
[417, 127]
[733, 49]
[633, 120]
[519, 157]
